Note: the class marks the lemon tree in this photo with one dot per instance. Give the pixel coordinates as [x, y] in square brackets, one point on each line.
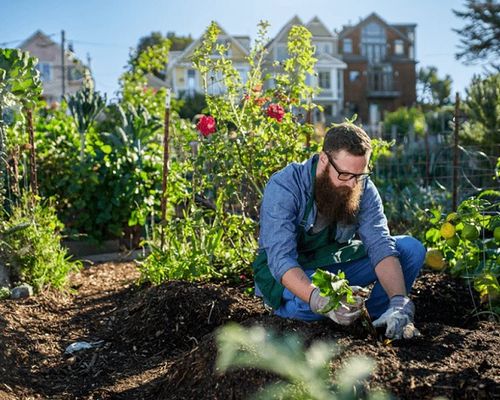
[466, 244]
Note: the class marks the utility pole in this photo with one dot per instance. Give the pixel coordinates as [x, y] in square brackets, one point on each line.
[63, 66]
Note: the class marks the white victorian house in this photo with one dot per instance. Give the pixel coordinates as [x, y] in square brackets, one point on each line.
[328, 77]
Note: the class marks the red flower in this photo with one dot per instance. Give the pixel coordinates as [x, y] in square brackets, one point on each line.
[275, 111]
[206, 125]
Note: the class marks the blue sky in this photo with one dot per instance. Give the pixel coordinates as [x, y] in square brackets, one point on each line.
[107, 29]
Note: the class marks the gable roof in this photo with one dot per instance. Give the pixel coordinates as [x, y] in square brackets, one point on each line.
[188, 50]
[327, 59]
[294, 21]
[318, 28]
[374, 17]
[38, 35]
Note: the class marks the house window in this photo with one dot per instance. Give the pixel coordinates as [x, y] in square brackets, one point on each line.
[327, 110]
[347, 45]
[323, 48]
[373, 43]
[353, 76]
[399, 47]
[75, 73]
[191, 81]
[45, 70]
[281, 52]
[324, 80]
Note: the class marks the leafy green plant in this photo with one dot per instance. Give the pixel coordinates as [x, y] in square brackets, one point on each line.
[333, 286]
[20, 87]
[464, 242]
[34, 253]
[85, 105]
[305, 372]
[405, 119]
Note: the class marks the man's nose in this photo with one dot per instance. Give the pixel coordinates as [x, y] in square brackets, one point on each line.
[351, 182]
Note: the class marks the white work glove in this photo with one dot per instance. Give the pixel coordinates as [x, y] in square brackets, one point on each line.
[398, 319]
[346, 314]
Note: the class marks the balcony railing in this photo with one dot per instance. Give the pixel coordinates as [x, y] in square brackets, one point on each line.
[382, 84]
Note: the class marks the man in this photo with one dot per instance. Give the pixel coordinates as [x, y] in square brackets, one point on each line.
[309, 215]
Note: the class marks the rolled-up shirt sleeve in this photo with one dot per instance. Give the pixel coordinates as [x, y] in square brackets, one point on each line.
[372, 226]
[278, 227]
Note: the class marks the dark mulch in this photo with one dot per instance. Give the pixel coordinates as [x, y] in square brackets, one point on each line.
[158, 342]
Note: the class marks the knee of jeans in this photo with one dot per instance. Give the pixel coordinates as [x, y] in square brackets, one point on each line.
[411, 249]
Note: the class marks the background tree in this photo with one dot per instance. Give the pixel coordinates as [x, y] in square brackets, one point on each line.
[156, 39]
[431, 90]
[480, 37]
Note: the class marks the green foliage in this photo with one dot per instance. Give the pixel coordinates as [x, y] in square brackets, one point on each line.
[85, 105]
[191, 105]
[19, 79]
[34, 253]
[472, 252]
[20, 86]
[334, 286]
[4, 293]
[119, 179]
[479, 37]
[433, 91]
[134, 82]
[305, 372]
[203, 244]
[483, 110]
[405, 119]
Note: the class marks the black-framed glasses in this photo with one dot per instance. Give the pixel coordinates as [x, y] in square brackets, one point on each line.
[347, 176]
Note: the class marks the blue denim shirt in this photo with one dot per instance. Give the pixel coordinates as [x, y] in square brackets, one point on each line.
[283, 208]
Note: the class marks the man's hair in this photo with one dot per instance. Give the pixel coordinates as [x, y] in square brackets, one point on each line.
[348, 137]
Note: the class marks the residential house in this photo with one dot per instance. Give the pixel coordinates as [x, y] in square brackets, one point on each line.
[49, 57]
[380, 74]
[185, 80]
[328, 77]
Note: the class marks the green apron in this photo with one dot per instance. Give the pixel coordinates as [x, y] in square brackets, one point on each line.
[314, 250]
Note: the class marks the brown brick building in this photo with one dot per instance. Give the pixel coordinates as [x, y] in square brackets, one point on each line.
[380, 74]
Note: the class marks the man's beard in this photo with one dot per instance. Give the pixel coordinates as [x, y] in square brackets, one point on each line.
[336, 203]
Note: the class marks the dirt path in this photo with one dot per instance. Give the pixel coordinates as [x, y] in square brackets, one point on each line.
[157, 342]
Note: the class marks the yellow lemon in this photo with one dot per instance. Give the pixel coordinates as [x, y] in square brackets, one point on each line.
[435, 260]
[447, 230]
[496, 234]
[470, 232]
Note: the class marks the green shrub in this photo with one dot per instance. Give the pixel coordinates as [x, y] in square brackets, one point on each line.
[405, 119]
[34, 254]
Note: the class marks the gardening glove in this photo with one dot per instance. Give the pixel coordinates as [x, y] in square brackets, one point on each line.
[398, 319]
[346, 314]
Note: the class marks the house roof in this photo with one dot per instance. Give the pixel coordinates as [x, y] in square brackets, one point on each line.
[375, 17]
[38, 35]
[284, 30]
[188, 50]
[327, 59]
[318, 28]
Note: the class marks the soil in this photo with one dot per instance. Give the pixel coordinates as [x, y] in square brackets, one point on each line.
[158, 342]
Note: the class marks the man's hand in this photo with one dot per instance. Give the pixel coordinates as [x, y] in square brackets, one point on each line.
[399, 319]
[346, 314]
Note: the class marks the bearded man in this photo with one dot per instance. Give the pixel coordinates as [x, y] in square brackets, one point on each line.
[311, 215]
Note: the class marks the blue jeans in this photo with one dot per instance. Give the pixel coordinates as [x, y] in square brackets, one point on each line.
[362, 273]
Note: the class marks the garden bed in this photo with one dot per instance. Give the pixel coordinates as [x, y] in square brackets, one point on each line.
[157, 342]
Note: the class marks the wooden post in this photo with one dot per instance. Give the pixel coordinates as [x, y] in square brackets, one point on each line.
[165, 171]
[63, 65]
[455, 152]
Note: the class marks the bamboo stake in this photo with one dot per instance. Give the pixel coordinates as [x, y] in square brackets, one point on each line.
[165, 171]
